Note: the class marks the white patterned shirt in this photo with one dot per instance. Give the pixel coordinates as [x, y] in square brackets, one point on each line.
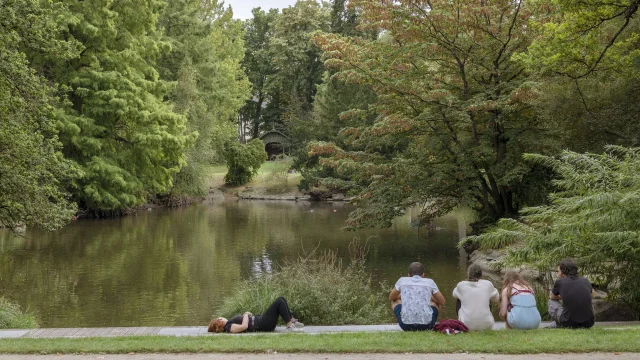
[416, 294]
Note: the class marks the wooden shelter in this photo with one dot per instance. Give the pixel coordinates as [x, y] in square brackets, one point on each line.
[275, 143]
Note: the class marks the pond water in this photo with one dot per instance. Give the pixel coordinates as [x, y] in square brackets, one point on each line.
[175, 266]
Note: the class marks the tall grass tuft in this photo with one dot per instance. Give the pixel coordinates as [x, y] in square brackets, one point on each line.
[277, 177]
[11, 317]
[320, 290]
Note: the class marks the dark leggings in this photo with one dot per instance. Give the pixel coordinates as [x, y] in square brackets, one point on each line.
[269, 319]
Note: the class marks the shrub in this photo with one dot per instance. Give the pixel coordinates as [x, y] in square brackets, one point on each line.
[319, 290]
[11, 317]
[244, 161]
[592, 218]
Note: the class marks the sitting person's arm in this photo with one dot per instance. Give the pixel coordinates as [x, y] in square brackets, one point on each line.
[438, 299]
[394, 295]
[235, 328]
[504, 304]
[554, 294]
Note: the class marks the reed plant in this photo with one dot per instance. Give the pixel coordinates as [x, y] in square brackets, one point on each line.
[12, 317]
[320, 290]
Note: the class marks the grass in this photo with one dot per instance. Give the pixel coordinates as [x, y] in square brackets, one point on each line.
[499, 342]
[12, 317]
[261, 180]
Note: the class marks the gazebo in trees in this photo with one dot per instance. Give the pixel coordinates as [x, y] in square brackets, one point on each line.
[275, 143]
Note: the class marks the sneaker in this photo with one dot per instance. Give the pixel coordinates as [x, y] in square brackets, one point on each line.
[298, 324]
[553, 325]
[293, 328]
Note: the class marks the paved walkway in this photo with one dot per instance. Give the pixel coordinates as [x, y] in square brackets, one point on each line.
[202, 330]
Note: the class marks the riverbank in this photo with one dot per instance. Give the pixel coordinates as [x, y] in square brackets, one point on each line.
[601, 339]
[272, 182]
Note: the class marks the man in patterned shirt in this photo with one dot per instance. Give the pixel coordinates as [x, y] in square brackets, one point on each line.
[416, 300]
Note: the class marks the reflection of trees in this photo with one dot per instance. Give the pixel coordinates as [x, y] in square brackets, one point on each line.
[176, 266]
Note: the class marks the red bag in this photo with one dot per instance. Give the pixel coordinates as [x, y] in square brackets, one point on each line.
[450, 327]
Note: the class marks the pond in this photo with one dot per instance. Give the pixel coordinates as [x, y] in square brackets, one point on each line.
[167, 267]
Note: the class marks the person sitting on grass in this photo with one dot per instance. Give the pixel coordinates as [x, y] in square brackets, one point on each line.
[258, 323]
[474, 295]
[518, 306]
[416, 300]
[575, 310]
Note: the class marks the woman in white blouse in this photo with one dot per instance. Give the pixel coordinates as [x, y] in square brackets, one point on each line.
[474, 295]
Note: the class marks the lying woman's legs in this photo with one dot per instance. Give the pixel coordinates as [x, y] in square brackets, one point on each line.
[269, 319]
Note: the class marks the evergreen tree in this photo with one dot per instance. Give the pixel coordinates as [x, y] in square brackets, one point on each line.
[115, 125]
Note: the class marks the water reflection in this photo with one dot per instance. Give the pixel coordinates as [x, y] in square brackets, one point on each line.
[174, 267]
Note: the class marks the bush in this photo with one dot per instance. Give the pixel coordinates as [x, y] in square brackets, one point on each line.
[11, 317]
[244, 161]
[592, 218]
[319, 290]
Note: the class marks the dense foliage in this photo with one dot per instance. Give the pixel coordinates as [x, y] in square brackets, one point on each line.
[320, 290]
[593, 218]
[33, 173]
[210, 86]
[243, 161]
[455, 109]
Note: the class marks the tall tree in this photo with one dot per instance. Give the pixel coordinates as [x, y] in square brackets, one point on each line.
[210, 85]
[259, 68]
[115, 125]
[298, 59]
[455, 114]
[33, 173]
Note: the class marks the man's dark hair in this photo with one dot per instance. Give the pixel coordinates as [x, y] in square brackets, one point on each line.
[568, 268]
[474, 272]
[416, 269]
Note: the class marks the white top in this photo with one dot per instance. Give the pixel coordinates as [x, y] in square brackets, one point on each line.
[475, 297]
[416, 294]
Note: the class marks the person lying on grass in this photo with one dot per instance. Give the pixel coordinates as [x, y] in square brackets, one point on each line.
[247, 322]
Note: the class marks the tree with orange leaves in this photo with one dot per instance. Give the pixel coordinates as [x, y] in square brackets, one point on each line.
[454, 109]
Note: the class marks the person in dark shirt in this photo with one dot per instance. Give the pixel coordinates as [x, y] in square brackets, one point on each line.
[265, 322]
[575, 310]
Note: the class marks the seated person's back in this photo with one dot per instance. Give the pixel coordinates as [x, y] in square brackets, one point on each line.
[475, 295]
[575, 291]
[415, 300]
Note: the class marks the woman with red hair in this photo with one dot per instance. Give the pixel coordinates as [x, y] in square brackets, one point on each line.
[247, 322]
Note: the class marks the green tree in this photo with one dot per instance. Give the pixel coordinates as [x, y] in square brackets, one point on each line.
[298, 60]
[259, 68]
[593, 218]
[580, 37]
[210, 85]
[244, 161]
[33, 173]
[455, 112]
[587, 60]
[115, 125]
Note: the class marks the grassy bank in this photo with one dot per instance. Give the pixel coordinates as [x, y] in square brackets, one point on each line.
[269, 176]
[502, 342]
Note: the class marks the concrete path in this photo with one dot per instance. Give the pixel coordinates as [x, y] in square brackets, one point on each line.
[202, 331]
[276, 356]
